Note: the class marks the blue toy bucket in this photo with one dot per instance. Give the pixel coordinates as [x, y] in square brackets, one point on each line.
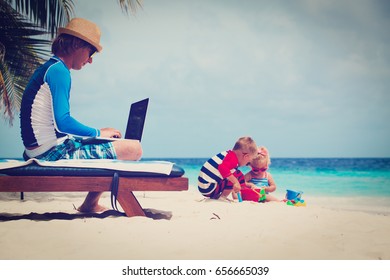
[293, 195]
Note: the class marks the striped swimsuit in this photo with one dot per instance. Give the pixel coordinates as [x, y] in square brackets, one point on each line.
[260, 182]
[210, 181]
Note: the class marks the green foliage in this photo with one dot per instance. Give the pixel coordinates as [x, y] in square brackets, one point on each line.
[25, 37]
[26, 30]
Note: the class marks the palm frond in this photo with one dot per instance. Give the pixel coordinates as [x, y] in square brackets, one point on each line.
[7, 91]
[47, 14]
[24, 24]
[130, 5]
[23, 50]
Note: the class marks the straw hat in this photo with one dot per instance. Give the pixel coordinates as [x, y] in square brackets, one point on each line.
[83, 29]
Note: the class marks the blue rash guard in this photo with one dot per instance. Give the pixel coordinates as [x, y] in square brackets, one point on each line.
[45, 111]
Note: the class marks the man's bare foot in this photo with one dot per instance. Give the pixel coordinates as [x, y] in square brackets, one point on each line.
[92, 209]
[91, 204]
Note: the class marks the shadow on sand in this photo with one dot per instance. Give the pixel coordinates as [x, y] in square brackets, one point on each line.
[150, 213]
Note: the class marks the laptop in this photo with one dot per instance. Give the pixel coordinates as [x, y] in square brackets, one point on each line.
[135, 124]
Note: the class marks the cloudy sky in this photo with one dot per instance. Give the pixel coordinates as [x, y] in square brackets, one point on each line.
[304, 78]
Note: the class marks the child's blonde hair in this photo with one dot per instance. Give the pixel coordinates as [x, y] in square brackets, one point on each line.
[246, 144]
[262, 156]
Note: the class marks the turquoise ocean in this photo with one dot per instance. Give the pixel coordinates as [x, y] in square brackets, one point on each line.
[315, 177]
[327, 177]
[357, 184]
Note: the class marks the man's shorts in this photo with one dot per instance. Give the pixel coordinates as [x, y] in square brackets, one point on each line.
[225, 184]
[73, 149]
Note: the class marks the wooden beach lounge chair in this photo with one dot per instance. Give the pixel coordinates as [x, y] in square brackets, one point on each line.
[37, 178]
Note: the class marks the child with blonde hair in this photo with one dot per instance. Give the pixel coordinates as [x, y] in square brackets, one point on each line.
[219, 176]
[258, 180]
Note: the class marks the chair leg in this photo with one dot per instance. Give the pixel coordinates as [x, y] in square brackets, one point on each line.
[22, 196]
[129, 203]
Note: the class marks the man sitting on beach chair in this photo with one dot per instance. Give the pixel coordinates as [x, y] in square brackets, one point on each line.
[46, 124]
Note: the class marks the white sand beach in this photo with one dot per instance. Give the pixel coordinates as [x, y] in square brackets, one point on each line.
[326, 229]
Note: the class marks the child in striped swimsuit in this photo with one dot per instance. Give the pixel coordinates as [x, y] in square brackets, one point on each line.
[258, 178]
[219, 176]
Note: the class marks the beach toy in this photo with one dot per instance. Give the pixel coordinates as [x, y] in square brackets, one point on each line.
[294, 198]
[262, 196]
[291, 194]
[239, 197]
[289, 203]
[300, 203]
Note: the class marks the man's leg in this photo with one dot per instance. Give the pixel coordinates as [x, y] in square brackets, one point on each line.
[128, 149]
[124, 150]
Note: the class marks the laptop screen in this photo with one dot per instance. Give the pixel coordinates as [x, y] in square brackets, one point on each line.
[136, 121]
